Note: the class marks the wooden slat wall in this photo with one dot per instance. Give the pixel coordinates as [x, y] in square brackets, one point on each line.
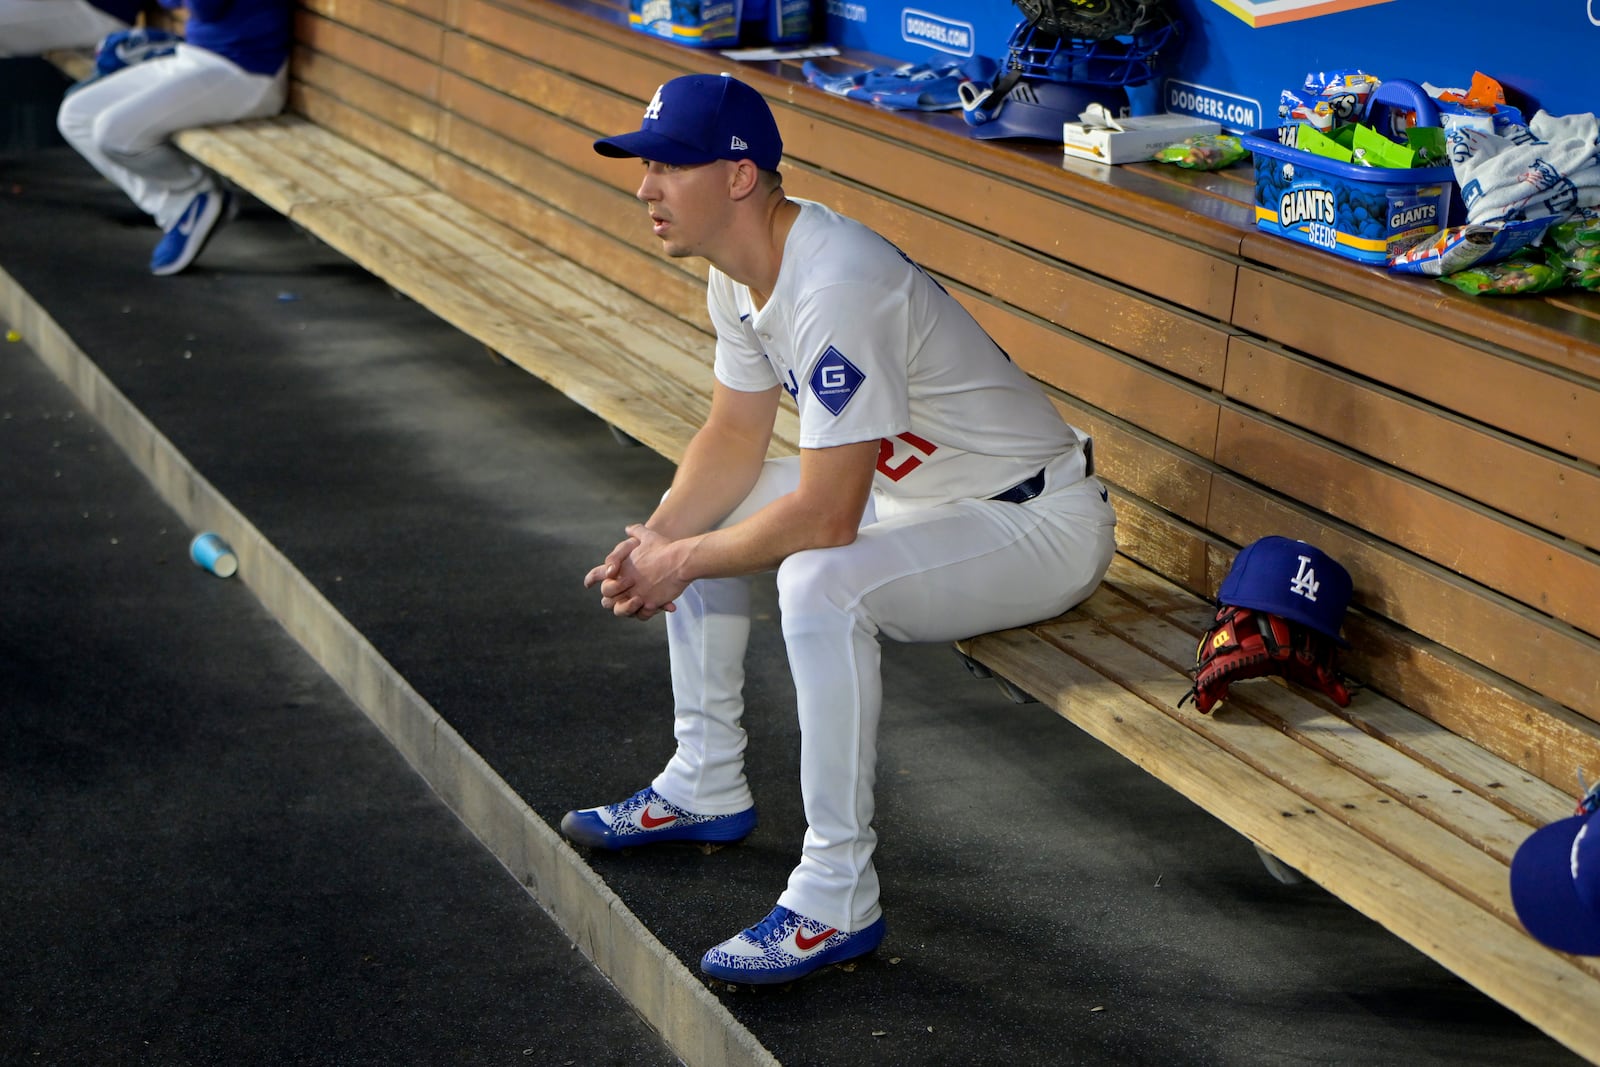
[1237, 386]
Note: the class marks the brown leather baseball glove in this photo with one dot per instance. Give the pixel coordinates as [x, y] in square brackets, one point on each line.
[1243, 643]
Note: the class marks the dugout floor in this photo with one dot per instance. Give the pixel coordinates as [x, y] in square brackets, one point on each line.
[209, 853]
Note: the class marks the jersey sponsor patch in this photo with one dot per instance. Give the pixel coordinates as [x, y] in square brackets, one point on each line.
[835, 380]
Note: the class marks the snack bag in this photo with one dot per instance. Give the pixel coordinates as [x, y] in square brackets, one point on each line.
[1344, 91]
[1209, 152]
[1512, 276]
[1460, 247]
[1482, 106]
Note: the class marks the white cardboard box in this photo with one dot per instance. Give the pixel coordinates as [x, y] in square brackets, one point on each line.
[1131, 140]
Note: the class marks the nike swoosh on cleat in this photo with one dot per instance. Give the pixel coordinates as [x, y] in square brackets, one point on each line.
[806, 944]
[190, 217]
[653, 822]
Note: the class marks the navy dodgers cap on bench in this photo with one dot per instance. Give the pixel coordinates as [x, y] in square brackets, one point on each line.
[1555, 881]
[699, 118]
[1290, 578]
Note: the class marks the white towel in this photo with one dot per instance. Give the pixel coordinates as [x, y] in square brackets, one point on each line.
[1549, 168]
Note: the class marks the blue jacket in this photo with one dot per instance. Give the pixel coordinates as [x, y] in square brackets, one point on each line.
[255, 34]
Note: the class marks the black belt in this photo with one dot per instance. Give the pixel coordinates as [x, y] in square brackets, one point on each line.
[1023, 491]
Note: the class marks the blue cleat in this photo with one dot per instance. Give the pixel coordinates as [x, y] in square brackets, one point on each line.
[646, 818]
[183, 242]
[785, 946]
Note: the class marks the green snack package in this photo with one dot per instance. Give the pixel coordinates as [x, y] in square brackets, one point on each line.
[1588, 278]
[1574, 236]
[1373, 149]
[1508, 278]
[1210, 152]
[1428, 142]
[1308, 138]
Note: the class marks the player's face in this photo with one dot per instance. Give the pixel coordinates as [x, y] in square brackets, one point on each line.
[687, 205]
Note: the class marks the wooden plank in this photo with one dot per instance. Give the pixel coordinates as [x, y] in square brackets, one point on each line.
[580, 47]
[1096, 375]
[1514, 395]
[1554, 661]
[389, 22]
[405, 70]
[1148, 534]
[1560, 328]
[1551, 991]
[1522, 480]
[394, 147]
[474, 137]
[378, 98]
[589, 111]
[286, 161]
[673, 291]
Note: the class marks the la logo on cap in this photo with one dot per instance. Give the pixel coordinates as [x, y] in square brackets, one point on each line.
[1305, 581]
[653, 109]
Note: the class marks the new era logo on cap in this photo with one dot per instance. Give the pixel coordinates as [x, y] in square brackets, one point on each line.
[699, 118]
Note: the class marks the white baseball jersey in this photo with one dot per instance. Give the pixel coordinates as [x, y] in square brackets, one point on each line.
[871, 347]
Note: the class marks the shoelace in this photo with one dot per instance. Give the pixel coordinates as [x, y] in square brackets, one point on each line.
[762, 932]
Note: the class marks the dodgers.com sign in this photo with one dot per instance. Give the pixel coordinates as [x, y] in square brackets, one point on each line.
[937, 32]
[1234, 112]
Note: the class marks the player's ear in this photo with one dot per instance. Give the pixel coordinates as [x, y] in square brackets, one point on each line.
[744, 179]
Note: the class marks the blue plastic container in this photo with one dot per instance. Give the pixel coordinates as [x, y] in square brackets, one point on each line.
[695, 23]
[1352, 211]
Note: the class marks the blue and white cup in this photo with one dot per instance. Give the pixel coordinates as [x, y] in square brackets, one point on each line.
[212, 552]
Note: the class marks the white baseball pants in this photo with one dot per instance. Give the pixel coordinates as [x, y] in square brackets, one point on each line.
[122, 123]
[33, 27]
[941, 574]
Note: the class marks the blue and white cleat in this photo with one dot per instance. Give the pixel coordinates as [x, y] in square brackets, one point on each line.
[183, 242]
[646, 818]
[785, 946]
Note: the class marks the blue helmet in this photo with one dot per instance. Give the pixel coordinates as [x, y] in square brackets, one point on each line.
[1035, 110]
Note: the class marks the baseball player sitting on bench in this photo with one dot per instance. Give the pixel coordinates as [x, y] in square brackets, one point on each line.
[937, 495]
[233, 65]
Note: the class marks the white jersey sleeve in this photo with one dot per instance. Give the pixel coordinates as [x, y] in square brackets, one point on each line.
[740, 362]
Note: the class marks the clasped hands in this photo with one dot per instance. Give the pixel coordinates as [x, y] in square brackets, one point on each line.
[638, 578]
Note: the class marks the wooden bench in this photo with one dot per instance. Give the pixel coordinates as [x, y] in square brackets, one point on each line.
[1444, 449]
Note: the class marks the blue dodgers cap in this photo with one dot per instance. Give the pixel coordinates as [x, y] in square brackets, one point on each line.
[1290, 578]
[699, 118]
[1555, 881]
